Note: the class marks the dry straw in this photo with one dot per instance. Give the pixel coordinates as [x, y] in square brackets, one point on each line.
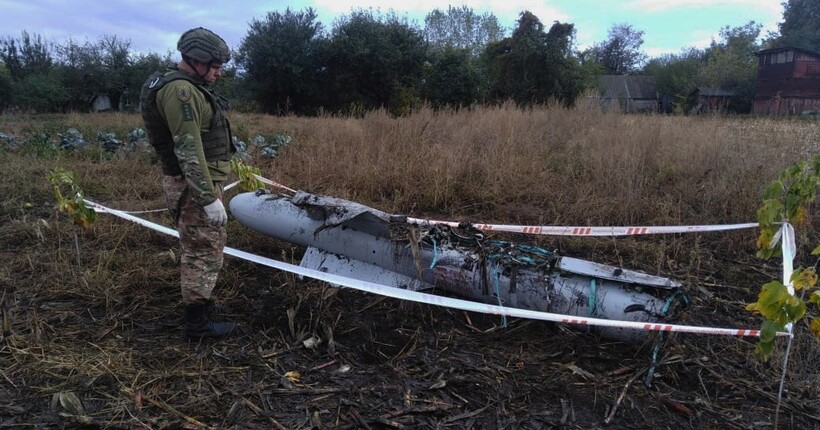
[98, 344]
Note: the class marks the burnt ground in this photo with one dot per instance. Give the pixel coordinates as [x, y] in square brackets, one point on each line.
[93, 341]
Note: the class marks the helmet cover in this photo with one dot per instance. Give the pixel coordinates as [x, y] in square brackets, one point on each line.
[203, 45]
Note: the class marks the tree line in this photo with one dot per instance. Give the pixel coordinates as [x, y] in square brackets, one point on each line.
[288, 63]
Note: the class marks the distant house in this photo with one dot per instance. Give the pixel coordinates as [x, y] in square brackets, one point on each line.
[710, 100]
[102, 102]
[627, 93]
[788, 82]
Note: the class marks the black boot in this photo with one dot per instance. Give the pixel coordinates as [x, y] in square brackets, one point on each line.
[198, 325]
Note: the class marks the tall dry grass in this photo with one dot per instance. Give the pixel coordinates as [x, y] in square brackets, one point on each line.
[545, 165]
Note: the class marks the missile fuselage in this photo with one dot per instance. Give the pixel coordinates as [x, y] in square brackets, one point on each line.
[356, 241]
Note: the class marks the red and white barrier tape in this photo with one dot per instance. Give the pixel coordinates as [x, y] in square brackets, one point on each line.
[432, 299]
[549, 230]
[264, 180]
[274, 183]
[593, 231]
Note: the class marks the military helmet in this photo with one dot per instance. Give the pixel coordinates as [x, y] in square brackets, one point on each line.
[203, 45]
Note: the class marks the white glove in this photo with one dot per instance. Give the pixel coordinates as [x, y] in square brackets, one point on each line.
[216, 213]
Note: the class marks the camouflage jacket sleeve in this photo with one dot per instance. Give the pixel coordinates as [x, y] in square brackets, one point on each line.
[188, 114]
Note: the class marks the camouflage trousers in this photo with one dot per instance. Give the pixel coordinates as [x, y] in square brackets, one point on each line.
[202, 244]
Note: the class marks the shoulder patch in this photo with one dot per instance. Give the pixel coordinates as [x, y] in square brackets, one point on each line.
[183, 94]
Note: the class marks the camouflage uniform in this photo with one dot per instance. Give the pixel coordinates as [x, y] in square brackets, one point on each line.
[202, 244]
[193, 176]
[188, 127]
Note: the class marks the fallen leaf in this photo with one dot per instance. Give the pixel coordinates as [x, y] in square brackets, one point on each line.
[71, 403]
[311, 342]
[293, 376]
[439, 384]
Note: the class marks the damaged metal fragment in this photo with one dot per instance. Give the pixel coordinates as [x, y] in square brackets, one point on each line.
[353, 240]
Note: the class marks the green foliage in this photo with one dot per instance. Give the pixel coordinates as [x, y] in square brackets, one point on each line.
[676, 75]
[78, 67]
[533, 66]
[801, 25]
[42, 92]
[287, 63]
[732, 58]
[140, 67]
[777, 305]
[116, 66]
[729, 64]
[248, 180]
[42, 146]
[459, 28]
[32, 80]
[26, 56]
[280, 59]
[372, 59]
[453, 74]
[768, 333]
[621, 53]
[80, 73]
[732, 64]
[71, 202]
[786, 200]
[589, 71]
[6, 91]
[452, 78]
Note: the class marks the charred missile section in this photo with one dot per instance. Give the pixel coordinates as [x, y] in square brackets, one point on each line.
[356, 241]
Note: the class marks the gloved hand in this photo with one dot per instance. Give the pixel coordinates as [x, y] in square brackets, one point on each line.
[216, 213]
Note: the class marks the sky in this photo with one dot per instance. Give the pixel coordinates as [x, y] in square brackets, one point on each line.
[669, 26]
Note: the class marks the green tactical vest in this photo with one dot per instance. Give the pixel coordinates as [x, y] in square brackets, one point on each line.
[216, 143]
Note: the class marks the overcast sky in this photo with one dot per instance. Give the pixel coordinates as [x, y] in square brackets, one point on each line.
[155, 25]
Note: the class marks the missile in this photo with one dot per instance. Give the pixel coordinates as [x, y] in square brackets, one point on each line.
[356, 241]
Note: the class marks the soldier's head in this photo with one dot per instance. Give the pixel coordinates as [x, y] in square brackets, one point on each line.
[204, 52]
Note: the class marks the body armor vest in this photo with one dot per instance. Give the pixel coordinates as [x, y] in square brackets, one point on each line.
[216, 143]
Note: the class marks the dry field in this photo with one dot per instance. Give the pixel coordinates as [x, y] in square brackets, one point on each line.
[91, 335]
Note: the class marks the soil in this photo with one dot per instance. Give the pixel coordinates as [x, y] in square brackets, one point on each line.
[99, 345]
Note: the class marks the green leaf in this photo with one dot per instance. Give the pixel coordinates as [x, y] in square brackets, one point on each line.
[770, 212]
[804, 278]
[768, 331]
[766, 253]
[814, 326]
[60, 176]
[72, 202]
[816, 251]
[247, 175]
[768, 335]
[790, 173]
[792, 205]
[764, 239]
[774, 191]
[771, 300]
[795, 308]
[815, 297]
[764, 349]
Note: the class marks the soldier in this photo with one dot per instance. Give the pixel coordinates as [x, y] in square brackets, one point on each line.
[188, 128]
